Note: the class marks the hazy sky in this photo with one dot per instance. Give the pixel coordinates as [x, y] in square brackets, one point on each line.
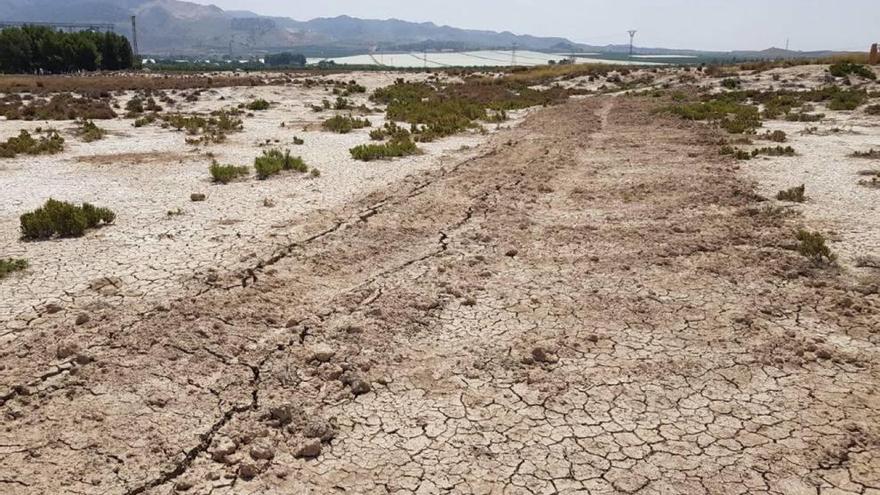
[703, 24]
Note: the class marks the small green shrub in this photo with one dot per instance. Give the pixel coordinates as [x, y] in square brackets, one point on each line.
[224, 174]
[397, 147]
[736, 118]
[345, 124]
[267, 165]
[24, 143]
[775, 136]
[205, 129]
[10, 265]
[89, 132]
[843, 69]
[63, 219]
[134, 107]
[297, 141]
[847, 100]
[145, 120]
[774, 151]
[274, 161]
[730, 83]
[793, 195]
[736, 153]
[258, 105]
[812, 245]
[804, 117]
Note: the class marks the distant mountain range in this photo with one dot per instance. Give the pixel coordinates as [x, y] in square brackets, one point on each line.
[174, 27]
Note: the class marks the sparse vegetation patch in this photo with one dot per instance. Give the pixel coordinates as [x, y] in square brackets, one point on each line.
[871, 154]
[224, 174]
[88, 131]
[258, 105]
[792, 195]
[813, 246]
[396, 147]
[63, 219]
[844, 69]
[11, 265]
[342, 124]
[49, 143]
[274, 161]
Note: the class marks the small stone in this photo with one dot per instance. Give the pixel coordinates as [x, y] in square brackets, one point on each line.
[247, 471]
[82, 359]
[53, 308]
[320, 429]
[82, 319]
[262, 451]
[308, 449]
[183, 485]
[823, 354]
[196, 197]
[64, 351]
[541, 355]
[224, 447]
[322, 353]
[593, 338]
[511, 253]
[360, 387]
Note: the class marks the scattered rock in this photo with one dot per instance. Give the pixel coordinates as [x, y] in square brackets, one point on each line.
[248, 471]
[262, 450]
[511, 253]
[360, 386]
[541, 355]
[53, 308]
[82, 359]
[82, 319]
[224, 447]
[283, 415]
[64, 351]
[308, 449]
[592, 338]
[322, 353]
[183, 485]
[196, 197]
[320, 429]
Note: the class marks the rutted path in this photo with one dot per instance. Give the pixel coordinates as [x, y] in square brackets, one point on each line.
[595, 304]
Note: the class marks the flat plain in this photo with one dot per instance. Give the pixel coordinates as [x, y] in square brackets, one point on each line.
[598, 294]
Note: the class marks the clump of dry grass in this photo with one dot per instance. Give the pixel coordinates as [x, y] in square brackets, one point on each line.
[792, 195]
[871, 154]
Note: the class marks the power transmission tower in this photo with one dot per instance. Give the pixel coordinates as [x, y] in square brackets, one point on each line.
[513, 56]
[632, 35]
[786, 43]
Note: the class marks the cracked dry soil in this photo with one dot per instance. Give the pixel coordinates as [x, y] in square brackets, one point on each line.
[595, 304]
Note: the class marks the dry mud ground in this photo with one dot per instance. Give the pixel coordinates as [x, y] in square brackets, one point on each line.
[594, 304]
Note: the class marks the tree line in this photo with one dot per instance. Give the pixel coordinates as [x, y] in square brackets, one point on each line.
[32, 49]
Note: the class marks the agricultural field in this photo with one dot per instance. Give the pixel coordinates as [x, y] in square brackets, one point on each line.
[562, 279]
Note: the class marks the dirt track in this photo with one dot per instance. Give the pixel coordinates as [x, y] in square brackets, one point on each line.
[596, 304]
